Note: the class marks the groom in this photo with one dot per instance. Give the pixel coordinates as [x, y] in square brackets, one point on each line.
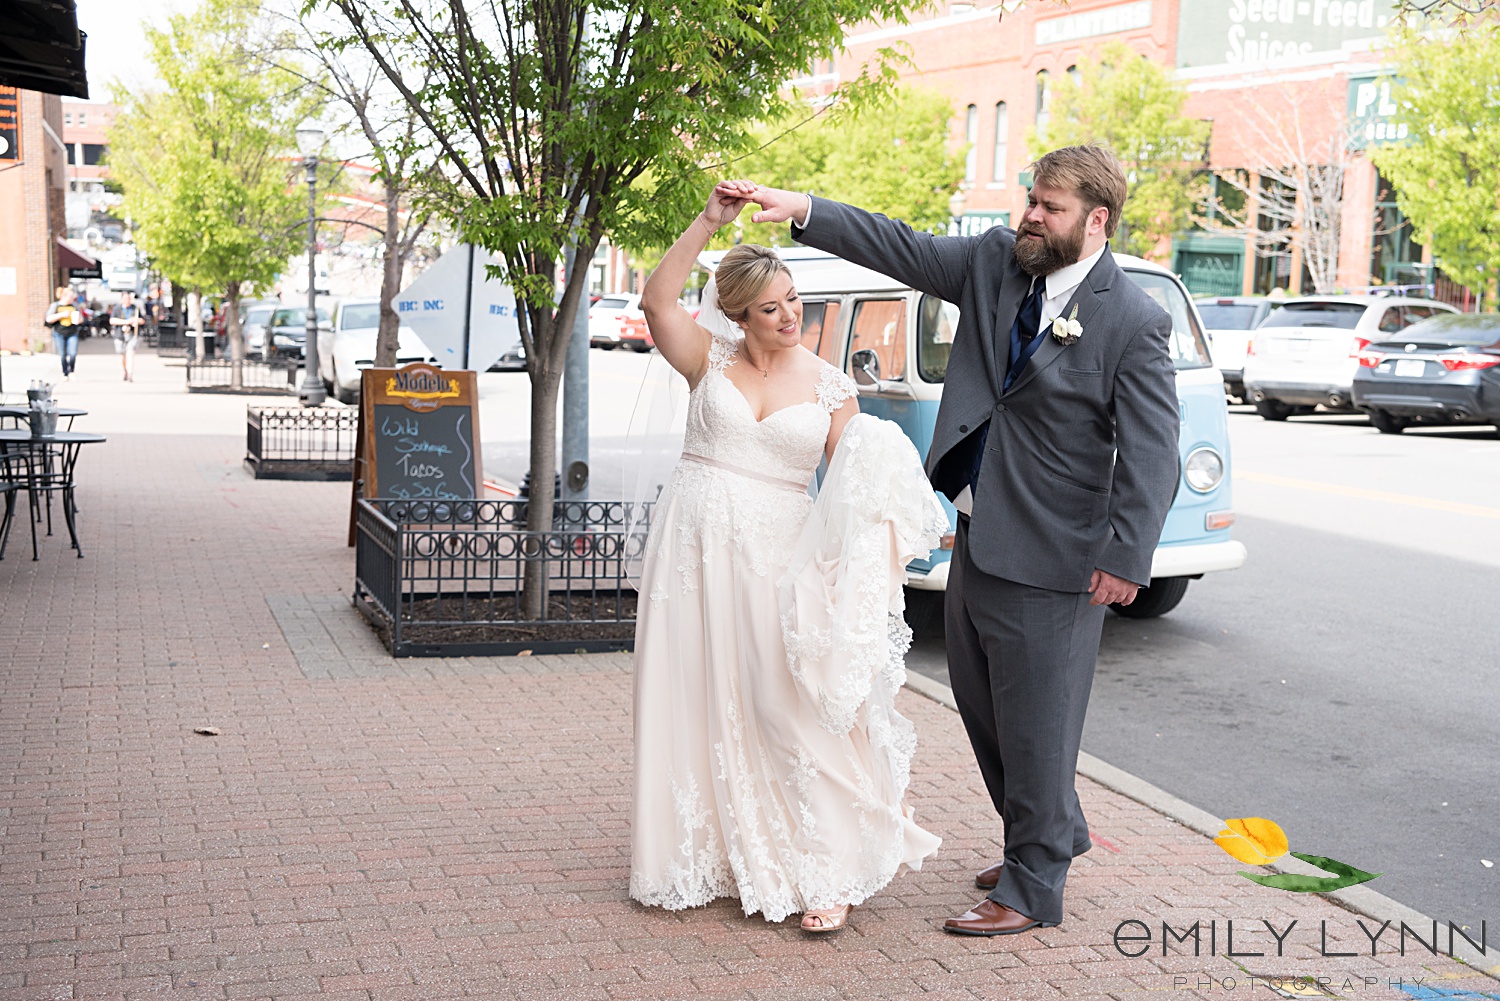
[1057, 443]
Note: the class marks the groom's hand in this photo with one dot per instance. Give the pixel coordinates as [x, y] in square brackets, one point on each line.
[1107, 589]
[777, 205]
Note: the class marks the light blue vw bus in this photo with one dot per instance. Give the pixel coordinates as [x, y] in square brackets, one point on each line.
[894, 342]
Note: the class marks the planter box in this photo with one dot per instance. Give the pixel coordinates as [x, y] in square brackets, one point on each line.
[301, 443]
[445, 578]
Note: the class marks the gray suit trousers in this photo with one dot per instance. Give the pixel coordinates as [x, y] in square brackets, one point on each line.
[1012, 648]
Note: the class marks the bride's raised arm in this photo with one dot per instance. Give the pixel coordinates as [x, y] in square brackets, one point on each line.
[679, 338]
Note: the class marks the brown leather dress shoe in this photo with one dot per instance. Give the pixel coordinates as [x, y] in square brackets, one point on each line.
[989, 878]
[990, 918]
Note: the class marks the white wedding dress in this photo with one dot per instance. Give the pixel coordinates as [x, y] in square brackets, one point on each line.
[770, 762]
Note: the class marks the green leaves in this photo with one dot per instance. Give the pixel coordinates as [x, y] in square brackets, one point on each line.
[204, 163]
[1447, 177]
[1343, 876]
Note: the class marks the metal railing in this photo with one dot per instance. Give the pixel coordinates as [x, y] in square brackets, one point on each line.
[301, 443]
[447, 578]
[216, 375]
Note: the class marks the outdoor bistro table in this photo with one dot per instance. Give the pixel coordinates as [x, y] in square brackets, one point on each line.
[23, 414]
[46, 464]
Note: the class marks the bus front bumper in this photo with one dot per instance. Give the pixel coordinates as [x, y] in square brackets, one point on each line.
[1169, 561]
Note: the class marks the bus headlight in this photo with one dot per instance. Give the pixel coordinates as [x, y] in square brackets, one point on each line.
[1204, 469]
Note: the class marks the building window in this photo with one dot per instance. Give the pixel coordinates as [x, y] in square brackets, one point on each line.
[971, 136]
[68, 118]
[1396, 257]
[1076, 75]
[93, 153]
[82, 119]
[1043, 103]
[1002, 134]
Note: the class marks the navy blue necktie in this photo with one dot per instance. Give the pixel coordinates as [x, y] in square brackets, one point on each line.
[1023, 344]
[1024, 333]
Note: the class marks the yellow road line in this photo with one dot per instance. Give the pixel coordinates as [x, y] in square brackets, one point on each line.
[1407, 500]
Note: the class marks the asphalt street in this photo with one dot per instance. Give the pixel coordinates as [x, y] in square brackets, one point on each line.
[1346, 681]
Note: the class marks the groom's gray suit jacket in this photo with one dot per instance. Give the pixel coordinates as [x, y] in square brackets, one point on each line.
[1081, 463]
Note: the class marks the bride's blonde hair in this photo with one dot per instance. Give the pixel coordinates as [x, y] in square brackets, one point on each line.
[745, 272]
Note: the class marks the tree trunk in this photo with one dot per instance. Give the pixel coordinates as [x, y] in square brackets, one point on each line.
[234, 334]
[195, 306]
[387, 340]
[543, 496]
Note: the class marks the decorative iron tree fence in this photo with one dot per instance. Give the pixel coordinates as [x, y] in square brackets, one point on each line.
[445, 578]
[301, 443]
[216, 375]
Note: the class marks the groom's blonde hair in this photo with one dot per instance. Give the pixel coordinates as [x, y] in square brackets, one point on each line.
[1091, 170]
[744, 273]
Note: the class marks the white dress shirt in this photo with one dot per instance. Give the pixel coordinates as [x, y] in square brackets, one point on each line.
[1060, 287]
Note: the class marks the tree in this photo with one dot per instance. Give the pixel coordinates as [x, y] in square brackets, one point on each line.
[1292, 190]
[547, 112]
[891, 155]
[1135, 106]
[1447, 177]
[392, 137]
[202, 161]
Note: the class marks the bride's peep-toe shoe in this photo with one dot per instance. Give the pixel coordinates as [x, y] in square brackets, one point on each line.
[832, 919]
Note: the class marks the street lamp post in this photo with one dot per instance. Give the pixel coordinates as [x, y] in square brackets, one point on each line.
[309, 142]
[956, 205]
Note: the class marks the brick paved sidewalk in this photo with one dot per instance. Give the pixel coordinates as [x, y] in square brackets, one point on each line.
[372, 828]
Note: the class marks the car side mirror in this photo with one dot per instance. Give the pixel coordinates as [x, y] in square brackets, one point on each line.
[866, 367]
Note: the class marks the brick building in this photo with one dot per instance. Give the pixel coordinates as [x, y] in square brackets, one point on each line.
[1258, 70]
[33, 178]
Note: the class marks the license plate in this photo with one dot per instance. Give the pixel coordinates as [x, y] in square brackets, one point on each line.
[1411, 368]
[1297, 345]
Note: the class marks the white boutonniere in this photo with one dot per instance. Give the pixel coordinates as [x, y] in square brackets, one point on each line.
[1068, 331]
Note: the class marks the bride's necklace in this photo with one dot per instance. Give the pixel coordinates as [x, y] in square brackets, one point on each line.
[765, 373]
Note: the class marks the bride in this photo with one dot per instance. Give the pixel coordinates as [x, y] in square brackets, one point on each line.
[770, 763]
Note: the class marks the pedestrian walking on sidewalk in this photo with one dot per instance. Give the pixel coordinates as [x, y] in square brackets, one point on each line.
[65, 319]
[126, 320]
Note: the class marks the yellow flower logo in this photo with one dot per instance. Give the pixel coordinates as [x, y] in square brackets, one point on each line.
[1253, 840]
[1258, 841]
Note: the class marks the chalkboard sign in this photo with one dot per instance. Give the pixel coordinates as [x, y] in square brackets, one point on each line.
[419, 434]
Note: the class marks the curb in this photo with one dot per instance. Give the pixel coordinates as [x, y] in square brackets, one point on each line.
[1360, 899]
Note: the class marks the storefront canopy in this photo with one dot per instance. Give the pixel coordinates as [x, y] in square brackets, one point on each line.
[41, 47]
[78, 265]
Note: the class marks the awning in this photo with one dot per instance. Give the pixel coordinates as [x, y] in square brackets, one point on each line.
[75, 262]
[42, 48]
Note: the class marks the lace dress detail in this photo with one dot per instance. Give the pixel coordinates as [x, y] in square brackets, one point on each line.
[739, 789]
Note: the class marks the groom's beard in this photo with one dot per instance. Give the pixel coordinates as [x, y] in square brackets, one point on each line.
[1051, 253]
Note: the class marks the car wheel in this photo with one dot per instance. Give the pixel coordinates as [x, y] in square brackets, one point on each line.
[1388, 423]
[1164, 594]
[339, 392]
[1271, 410]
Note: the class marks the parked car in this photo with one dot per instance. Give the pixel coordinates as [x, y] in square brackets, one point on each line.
[903, 336]
[1304, 355]
[1230, 322]
[287, 331]
[634, 334]
[123, 278]
[255, 315]
[607, 319]
[1443, 370]
[346, 347]
[513, 359]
